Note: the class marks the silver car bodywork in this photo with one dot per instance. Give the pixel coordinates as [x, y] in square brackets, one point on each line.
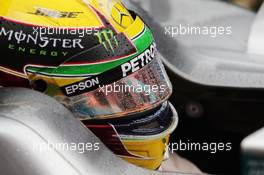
[222, 61]
[31, 124]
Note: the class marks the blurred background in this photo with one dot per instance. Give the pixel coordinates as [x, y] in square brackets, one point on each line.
[208, 114]
[249, 4]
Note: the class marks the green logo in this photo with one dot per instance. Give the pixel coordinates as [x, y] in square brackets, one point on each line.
[105, 36]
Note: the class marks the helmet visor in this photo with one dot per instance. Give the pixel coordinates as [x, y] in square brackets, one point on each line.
[141, 91]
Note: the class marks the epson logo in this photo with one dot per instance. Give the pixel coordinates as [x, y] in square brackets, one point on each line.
[140, 61]
[82, 86]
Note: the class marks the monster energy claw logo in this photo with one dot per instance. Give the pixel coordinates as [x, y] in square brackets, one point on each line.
[105, 37]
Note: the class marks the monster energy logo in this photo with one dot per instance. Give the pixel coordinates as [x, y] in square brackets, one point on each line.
[107, 37]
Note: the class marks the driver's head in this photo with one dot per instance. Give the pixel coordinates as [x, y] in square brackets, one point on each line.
[94, 56]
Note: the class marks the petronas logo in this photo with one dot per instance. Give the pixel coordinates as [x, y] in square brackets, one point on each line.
[108, 39]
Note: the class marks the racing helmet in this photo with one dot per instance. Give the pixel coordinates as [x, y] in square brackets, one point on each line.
[100, 61]
[93, 56]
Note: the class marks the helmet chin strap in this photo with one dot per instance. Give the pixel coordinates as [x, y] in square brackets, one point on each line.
[256, 37]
